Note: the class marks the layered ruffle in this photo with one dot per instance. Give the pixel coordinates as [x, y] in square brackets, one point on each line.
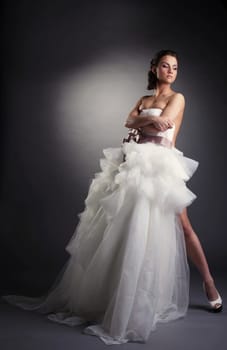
[128, 267]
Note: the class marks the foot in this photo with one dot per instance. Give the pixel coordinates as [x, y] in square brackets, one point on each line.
[212, 294]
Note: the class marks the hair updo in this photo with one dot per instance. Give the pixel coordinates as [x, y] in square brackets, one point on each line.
[152, 79]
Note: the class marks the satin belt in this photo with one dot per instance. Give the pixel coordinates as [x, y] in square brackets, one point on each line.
[155, 139]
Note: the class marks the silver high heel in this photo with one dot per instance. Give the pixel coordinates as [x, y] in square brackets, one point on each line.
[216, 305]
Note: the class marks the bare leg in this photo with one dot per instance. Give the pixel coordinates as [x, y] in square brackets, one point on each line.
[197, 256]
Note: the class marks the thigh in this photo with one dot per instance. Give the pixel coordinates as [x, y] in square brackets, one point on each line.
[187, 227]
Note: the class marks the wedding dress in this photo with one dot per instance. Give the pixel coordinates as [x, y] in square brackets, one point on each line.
[127, 268]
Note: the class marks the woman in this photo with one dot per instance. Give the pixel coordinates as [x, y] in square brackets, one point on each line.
[128, 267]
[160, 77]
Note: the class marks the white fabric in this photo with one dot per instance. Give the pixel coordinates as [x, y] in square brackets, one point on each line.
[128, 267]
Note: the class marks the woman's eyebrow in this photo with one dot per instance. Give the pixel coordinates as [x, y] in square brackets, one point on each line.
[174, 65]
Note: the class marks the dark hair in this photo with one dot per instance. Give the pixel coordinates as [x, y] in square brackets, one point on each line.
[152, 79]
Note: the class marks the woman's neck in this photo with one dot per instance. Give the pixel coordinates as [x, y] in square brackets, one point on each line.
[163, 89]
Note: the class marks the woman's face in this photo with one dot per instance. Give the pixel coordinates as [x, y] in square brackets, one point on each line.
[166, 70]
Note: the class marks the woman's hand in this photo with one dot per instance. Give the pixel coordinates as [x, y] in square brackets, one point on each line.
[159, 123]
[162, 124]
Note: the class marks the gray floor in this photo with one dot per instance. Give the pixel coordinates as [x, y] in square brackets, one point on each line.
[199, 330]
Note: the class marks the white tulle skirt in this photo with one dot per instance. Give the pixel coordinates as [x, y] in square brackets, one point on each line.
[128, 267]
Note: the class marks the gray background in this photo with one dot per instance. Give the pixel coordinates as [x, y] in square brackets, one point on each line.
[72, 71]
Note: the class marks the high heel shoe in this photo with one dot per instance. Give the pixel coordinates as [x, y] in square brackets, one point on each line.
[216, 305]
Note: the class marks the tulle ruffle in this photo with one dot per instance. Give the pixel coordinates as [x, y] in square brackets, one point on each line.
[128, 268]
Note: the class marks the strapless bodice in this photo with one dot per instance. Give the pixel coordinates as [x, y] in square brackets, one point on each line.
[156, 112]
[152, 111]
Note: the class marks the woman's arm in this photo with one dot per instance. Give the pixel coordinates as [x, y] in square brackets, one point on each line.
[178, 116]
[134, 122]
[174, 108]
[172, 112]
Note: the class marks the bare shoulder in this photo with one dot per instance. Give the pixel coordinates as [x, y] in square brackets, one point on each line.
[177, 97]
[137, 107]
[140, 102]
[146, 96]
[142, 98]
